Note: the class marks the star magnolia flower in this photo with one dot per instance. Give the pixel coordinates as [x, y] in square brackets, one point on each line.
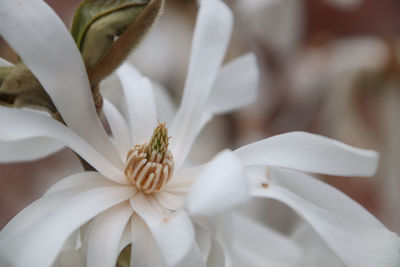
[109, 210]
[139, 193]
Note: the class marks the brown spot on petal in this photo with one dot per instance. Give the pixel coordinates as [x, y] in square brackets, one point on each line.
[264, 185]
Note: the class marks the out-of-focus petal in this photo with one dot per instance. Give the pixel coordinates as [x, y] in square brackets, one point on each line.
[310, 153]
[236, 85]
[356, 237]
[220, 186]
[105, 236]
[39, 244]
[47, 48]
[210, 41]
[256, 245]
[20, 124]
[316, 252]
[119, 129]
[173, 247]
[140, 100]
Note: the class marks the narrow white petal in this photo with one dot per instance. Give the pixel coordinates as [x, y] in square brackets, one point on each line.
[141, 105]
[28, 149]
[20, 124]
[39, 244]
[119, 129]
[170, 201]
[165, 228]
[236, 85]
[221, 186]
[310, 153]
[126, 238]
[5, 63]
[41, 207]
[182, 180]
[145, 251]
[47, 48]
[105, 236]
[261, 246]
[211, 37]
[355, 236]
[83, 179]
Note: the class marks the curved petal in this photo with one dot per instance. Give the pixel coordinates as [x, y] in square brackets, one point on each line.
[47, 48]
[221, 186]
[20, 124]
[210, 41]
[119, 128]
[82, 179]
[105, 236]
[173, 247]
[28, 149]
[140, 99]
[170, 201]
[144, 252]
[40, 243]
[316, 252]
[236, 85]
[354, 235]
[310, 153]
[43, 206]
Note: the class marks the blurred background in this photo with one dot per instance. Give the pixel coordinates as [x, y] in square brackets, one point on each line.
[330, 67]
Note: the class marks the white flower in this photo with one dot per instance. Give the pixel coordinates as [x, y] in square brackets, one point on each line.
[104, 209]
[161, 226]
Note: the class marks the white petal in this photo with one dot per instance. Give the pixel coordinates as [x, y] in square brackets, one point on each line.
[355, 236]
[105, 236]
[166, 107]
[126, 238]
[119, 129]
[220, 187]
[316, 252]
[261, 246]
[170, 201]
[145, 252]
[44, 205]
[211, 37]
[141, 105]
[182, 180]
[5, 63]
[39, 244]
[47, 48]
[83, 179]
[20, 124]
[236, 85]
[310, 153]
[28, 149]
[174, 233]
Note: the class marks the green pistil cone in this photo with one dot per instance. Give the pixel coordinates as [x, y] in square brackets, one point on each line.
[159, 141]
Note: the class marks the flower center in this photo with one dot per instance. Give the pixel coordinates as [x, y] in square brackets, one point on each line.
[149, 166]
